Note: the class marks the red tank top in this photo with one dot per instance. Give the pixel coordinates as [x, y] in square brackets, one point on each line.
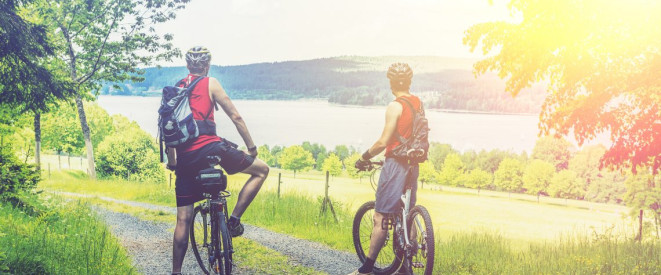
[405, 121]
[201, 106]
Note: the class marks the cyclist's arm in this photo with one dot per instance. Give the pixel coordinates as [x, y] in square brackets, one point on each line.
[217, 94]
[393, 112]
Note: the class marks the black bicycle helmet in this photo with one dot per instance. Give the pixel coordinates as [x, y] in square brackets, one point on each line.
[400, 71]
[198, 57]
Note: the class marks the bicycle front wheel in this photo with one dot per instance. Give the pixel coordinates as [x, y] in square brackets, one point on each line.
[226, 242]
[421, 236]
[363, 223]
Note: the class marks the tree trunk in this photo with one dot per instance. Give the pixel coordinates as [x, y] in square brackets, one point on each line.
[640, 226]
[37, 139]
[86, 134]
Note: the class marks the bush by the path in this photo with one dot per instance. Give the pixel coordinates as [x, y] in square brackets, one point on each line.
[131, 154]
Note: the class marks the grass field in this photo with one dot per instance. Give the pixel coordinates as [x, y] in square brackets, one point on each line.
[486, 234]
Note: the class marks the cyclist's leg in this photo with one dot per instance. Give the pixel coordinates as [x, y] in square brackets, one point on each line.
[258, 172]
[378, 236]
[235, 161]
[180, 242]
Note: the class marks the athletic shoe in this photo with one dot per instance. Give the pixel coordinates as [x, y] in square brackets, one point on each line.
[235, 230]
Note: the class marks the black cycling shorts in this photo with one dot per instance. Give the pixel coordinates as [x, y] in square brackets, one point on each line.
[189, 164]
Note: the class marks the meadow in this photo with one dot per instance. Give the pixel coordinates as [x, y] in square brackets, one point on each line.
[489, 233]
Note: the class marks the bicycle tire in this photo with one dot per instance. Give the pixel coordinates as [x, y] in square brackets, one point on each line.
[200, 224]
[425, 242]
[226, 242]
[388, 260]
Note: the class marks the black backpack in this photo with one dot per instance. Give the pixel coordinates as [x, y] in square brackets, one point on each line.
[176, 125]
[416, 148]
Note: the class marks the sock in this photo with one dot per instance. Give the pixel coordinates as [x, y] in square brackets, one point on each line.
[234, 220]
[367, 266]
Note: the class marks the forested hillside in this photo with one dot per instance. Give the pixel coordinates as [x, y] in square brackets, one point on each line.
[445, 83]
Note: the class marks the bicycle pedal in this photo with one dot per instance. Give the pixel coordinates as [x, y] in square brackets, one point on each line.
[387, 224]
[417, 265]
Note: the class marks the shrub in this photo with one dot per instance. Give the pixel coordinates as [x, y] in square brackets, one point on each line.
[14, 174]
[130, 154]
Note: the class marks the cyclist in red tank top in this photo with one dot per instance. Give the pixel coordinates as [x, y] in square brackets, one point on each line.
[395, 172]
[187, 160]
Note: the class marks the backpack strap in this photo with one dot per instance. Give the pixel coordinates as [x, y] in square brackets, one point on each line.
[205, 126]
[413, 111]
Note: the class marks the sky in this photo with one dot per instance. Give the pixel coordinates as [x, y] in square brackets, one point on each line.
[252, 31]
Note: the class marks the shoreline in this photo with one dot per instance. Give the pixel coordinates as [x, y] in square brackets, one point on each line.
[322, 100]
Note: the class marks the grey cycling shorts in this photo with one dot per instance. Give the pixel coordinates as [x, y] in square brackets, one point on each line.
[391, 186]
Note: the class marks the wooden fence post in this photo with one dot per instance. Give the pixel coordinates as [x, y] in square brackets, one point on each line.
[279, 182]
[327, 202]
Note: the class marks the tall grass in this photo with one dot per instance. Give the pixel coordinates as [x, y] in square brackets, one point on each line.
[490, 254]
[54, 237]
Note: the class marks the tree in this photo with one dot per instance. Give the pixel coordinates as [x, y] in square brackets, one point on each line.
[342, 151]
[296, 158]
[644, 193]
[131, 155]
[106, 41]
[275, 151]
[438, 152]
[478, 179]
[489, 160]
[600, 60]
[28, 67]
[509, 175]
[607, 187]
[61, 132]
[451, 171]
[537, 177]
[351, 169]
[264, 153]
[427, 173]
[585, 163]
[333, 165]
[556, 151]
[318, 153]
[566, 184]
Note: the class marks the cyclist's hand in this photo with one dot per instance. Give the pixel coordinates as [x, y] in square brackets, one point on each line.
[362, 165]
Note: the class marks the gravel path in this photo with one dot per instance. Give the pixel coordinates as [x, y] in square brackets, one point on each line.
[150, 243]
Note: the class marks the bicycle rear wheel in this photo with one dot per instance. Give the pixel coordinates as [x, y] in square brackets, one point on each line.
[200, 240]
[421, 236]
[226, 242]
[388, 260]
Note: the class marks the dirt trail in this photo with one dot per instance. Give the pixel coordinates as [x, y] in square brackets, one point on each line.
[150, 243]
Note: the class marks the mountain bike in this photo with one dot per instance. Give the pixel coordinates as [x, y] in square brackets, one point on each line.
[209, 232]
[409, 246]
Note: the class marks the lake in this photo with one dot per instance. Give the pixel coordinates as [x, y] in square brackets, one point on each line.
[292, 122]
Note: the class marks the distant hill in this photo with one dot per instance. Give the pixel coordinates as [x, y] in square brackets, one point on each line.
[443, 83]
